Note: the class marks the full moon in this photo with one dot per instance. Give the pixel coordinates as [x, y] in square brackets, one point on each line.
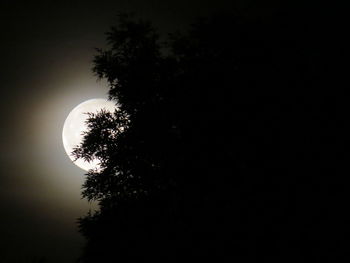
[74, 126]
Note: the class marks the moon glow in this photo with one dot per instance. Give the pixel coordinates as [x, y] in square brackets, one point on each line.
[75, 125]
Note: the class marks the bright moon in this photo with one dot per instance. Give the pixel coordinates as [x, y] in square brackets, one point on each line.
[75, 125]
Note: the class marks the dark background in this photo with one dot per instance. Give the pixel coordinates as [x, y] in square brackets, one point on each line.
[46, 54]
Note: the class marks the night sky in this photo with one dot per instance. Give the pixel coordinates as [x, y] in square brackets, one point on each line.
[47, 49]
[46, 53]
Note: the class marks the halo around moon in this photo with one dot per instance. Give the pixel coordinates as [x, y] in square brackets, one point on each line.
[74, 126]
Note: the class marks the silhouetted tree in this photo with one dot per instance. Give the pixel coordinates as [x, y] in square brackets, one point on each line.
[215, 151]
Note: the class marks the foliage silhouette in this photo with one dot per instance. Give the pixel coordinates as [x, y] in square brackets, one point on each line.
[218, 148]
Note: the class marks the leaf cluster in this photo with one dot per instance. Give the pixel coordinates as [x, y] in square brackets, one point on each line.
[209, 140]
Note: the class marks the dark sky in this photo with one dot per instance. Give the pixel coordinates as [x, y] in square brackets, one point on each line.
[46, 52]
[45, 70]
